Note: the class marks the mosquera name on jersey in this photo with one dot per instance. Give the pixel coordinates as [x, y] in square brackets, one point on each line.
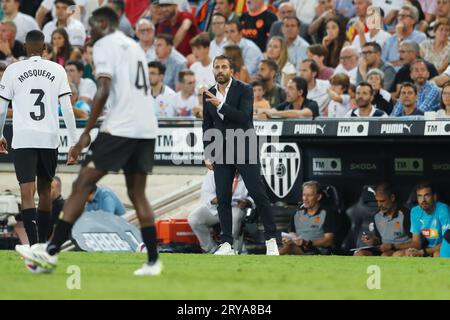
[34, 86]
[132, 108]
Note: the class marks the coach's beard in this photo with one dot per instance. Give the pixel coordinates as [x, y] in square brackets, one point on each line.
[221, 79]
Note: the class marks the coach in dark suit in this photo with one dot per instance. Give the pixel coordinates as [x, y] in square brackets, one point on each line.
[228, 109]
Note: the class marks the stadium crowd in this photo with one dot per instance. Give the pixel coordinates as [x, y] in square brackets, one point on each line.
[303, 58]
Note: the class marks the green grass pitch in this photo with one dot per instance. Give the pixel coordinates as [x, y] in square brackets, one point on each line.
[186, 276]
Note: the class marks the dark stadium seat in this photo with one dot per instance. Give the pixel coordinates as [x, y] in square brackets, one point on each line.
[360, 215]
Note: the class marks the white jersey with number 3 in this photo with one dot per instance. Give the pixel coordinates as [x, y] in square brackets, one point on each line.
[131, 105]
[34, 87]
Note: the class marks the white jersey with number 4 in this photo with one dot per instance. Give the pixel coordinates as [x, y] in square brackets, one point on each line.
[34, 87]
[131, 105]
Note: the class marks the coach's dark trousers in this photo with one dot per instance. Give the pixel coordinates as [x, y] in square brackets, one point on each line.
[251, 174]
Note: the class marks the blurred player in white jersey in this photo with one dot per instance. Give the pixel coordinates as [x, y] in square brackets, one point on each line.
[126, 139]
[35, 87]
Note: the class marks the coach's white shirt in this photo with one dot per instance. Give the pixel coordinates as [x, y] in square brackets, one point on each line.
[24, 24]
[34, 86]
[74, 28]
[131, 113]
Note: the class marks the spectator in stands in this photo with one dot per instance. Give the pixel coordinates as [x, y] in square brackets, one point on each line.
[312, 228]
[409, 52]
[173, 60]
[277, 51]
[49, 6]
[75, 29]
[296, 45]
[80, 108]
[319, 54]
[206, 216]
[326, 10]
[181, 25]
[364, 97]
[145, 32]
[88, 57]
[390, 8]
[357, 25]
[382, 99]
[408, 98]
[391, 225]
[429, 9]
[408, 17]
[258, 97]
[274, 93]
[86, 87]
[428, 220]
[442, 11]
[317, 89]
[305, 10]
[256, 22]
[185, 99]
[104, 199]
[339, 99]
[48, 53]
[164, 96]
[444, 112]
[240, 71]
[57, 201]
[203, 65]
[10, 49]
[437, 50]
[334, 41]
[124, 24]
[297, 104]
[348, 63]
[250, 51]
[371, 59]
[287, 9]
[373, 34]
[62, 48]
[226, 8]
[23, 22]
[218, 30]
[428, 94]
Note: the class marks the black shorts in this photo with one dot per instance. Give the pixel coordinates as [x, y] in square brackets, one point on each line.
[30, 163]
[112, 153]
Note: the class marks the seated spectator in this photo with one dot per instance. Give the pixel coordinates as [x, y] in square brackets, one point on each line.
[74, 28]
[10, 49]
[297, 104]
[334, 41]
[274, 93]
[296, 45]
[326, 9]
[444, 112]
[124, 24]
[86, 87]
[145, 32]
[442, 11]
[277, 51]
[256, 22]
[206, 216]
[218, 31]
[258, 97]
[250, 51]
[24, 23]
[47, 11]
[349, 63]
[318, 53]
[104, 199]
[62, 49]
[287, 9]
[305, 9]
[317, 89]
[173, 60]
[437, 50]
[181, 25]
[427, 93]
[357, 24]
[408, 97]
[364, 98]
[240, 71]
[339, 99]
[312, 228]
[163, 95]
[429, 221]
[382, 99]
[371, 59]
[203, 65]
[88, 61]
[185, 99]
[408, 17]
[391, 225]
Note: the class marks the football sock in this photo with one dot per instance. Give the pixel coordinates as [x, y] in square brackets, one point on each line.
[43, 225]
[149, 238]
[29, 222]
[61, 235]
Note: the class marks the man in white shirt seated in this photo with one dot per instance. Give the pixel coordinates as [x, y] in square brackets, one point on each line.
[24, 22]
[164, 96]
[145, 32]
[185, 99]
[206, 216]
[203, 65]
[317, 89]
[86, 87]
[348, 63]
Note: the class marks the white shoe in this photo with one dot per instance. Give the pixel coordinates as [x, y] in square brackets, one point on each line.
[225, 249]
[150, 270]
[38, 255]
[272, 247]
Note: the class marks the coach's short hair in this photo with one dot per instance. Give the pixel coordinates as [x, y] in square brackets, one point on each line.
[157, 65]
[225, 57]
